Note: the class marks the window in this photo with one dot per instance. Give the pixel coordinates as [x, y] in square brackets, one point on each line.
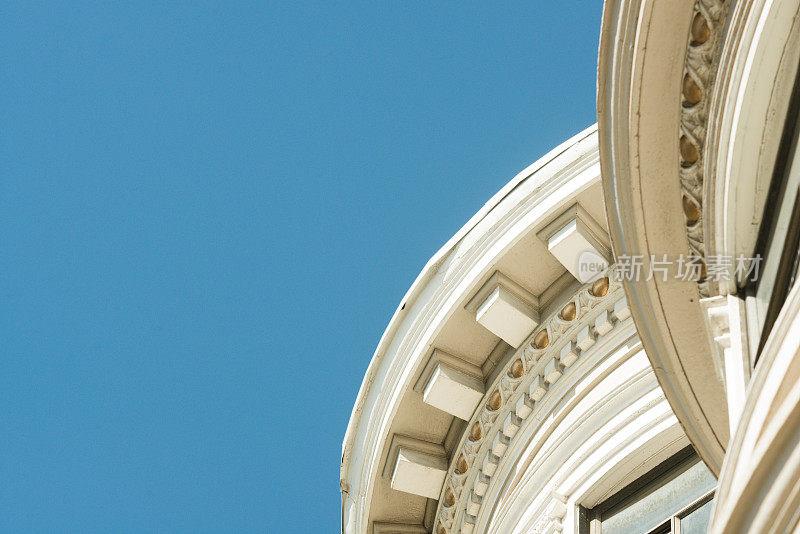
[674, 497]
[779, 235]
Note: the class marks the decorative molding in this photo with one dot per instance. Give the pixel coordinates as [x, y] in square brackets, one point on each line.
[728, 330]
[551, 520]
[640, 122]
[602, 426]
[705, 40]
[397, 528]
[515, 395]
[746, 118]
[719, 330]
[445, 283]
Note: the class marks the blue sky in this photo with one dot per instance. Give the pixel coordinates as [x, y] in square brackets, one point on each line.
[208, 214]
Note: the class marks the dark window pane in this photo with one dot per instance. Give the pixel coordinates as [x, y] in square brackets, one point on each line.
[662, 529]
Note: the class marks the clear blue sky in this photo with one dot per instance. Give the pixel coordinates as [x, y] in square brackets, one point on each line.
[208, 214]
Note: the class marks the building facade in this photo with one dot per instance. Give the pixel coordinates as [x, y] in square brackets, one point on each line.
[610, 344]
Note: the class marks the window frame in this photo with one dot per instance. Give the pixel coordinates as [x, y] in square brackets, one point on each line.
[589, 519]
[786, 256]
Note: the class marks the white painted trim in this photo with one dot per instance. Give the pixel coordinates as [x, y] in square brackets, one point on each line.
[541, 385]
[640, 117]
[728, 333]
[545, 187]
[606, 423]
[763, 462]
[756, 74]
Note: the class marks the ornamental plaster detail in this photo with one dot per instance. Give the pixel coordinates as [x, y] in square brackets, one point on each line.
[552, 519]
[705, 39]
[729, 349]
[517, 396]
[545, 187]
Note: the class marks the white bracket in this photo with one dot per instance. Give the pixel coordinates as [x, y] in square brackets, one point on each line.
[578, 242]
[416, 466]
[728, 332]
[506, 309]
[451, 385]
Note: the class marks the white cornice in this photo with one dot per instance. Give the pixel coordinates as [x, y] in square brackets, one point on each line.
[641, 116]
[543, 188]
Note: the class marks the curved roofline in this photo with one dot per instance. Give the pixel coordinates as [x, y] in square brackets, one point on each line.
[428, 271]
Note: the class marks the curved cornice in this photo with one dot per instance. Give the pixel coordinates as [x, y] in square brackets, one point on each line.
[746, 117]
[641, 116]
[512, 398]
[527, 201]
